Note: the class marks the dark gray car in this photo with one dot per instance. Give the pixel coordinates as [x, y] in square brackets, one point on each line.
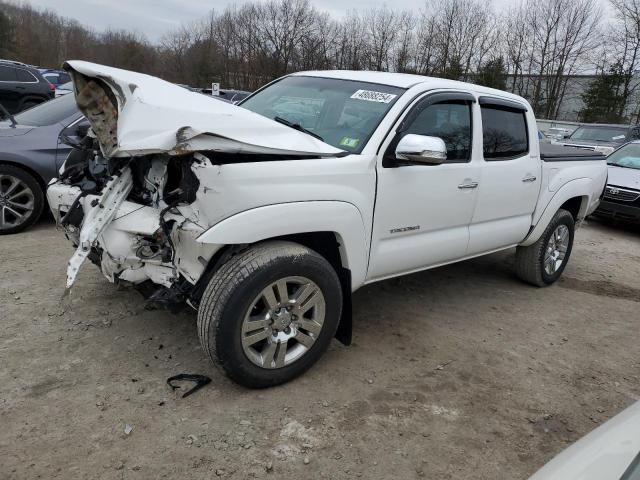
[30, 155]
[22, 86]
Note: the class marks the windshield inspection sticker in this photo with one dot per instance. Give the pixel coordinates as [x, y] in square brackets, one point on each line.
[349, 142]
[371, 96]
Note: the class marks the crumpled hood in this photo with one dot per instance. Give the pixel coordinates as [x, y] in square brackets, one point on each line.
[624, 177]
[136, 114]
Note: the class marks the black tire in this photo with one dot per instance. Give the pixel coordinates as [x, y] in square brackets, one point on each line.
[530, 260]
[10, 171]
[231, 292]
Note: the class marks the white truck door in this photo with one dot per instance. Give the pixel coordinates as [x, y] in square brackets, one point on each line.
[510, 178]
[422, 212]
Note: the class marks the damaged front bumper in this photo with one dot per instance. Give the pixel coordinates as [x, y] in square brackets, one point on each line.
[152, 246]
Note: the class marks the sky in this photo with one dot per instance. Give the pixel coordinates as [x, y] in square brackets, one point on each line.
[155, 17]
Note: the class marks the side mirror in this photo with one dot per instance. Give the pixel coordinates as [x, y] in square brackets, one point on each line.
[566, 135]
[421, 149]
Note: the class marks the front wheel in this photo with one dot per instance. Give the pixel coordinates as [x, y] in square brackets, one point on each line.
[269, 313]
[542, 263]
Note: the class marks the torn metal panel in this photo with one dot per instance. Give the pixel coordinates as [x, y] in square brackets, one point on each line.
[134, 114]
[97, 216]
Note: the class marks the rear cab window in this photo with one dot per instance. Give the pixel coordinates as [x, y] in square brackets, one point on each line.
[505, 133]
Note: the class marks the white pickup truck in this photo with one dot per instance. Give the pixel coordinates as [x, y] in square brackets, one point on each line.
[265, 217]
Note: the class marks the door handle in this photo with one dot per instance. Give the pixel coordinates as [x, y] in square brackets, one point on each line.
[468, 185]
[529, 178]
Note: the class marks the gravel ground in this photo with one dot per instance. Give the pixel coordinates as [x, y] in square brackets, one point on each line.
[461, 372]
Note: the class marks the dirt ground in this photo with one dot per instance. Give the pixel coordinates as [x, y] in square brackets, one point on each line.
[461, 372]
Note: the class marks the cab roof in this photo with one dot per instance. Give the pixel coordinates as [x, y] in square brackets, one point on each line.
[406, 81]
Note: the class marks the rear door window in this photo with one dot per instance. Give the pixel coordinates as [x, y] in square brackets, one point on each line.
[504, 132]
[25, 76]
[7, 74]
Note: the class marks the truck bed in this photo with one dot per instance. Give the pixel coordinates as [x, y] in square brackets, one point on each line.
[560, 153]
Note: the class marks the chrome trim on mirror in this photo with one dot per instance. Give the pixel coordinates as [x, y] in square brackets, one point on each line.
[421, 149]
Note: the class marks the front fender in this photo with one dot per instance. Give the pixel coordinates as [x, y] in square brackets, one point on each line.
[581, 187]
[261, 223]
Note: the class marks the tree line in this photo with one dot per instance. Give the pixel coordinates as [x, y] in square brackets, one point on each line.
[532, 48]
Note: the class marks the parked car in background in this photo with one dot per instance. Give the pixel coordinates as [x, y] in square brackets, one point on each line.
[55, 77]
[621, 199]
[231, 96]
[234, 96]
[267, 226]
[600, 137]
[22, 86]
[64, 89]
[543, 138]
[610, 452]
[30, 155]
[558, 133]
[189, 87]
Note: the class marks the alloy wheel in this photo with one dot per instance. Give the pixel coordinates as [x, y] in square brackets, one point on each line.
[16, 202]
[283, 322]
[556, 249]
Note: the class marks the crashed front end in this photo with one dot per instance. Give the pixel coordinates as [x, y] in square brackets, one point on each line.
[130, 196]
[135, 220]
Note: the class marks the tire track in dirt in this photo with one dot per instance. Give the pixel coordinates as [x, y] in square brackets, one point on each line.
[601, 288]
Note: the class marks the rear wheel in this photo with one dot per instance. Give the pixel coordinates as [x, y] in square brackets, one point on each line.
[269, 313]
[21, 199]
[542, 263]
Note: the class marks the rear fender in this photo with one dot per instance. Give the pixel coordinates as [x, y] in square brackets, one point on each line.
[580, 187]
[272, 221]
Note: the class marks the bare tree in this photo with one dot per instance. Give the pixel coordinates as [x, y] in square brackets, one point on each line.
[625, 43]
[381, 31]
[540, 43]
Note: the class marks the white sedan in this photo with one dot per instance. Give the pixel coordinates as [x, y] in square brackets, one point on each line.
[610, 452]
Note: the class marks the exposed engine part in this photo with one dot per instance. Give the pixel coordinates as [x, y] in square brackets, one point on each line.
[148, 250]
[139, 248]
[172, 298]
[182, 184]
[158, 246]
[75, 214]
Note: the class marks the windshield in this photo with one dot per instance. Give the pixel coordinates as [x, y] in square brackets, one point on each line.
[627, 156]
[48, 113]
[600, 134]
[343, 112]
